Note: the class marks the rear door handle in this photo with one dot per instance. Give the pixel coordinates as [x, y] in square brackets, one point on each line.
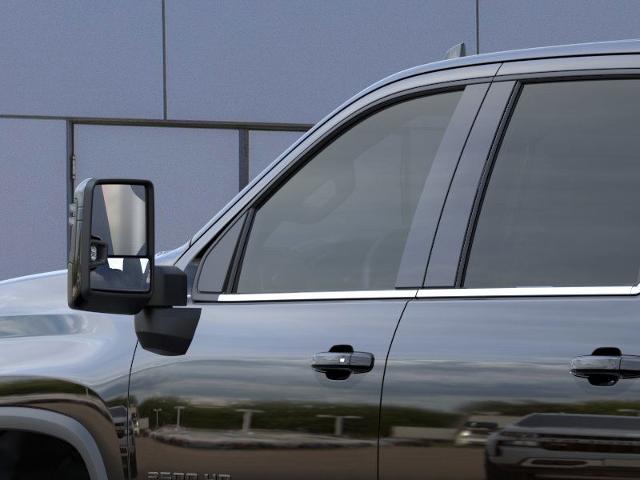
[352, 362]
[605, 366]
[595, 364]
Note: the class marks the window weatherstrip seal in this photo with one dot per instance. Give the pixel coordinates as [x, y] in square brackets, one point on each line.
[301, 296]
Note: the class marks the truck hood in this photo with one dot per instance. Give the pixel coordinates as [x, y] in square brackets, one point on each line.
[40, 336]
[46, 293]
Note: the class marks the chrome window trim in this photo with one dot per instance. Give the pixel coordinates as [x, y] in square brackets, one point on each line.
[299, 296]
[433, 293]
[526, 292]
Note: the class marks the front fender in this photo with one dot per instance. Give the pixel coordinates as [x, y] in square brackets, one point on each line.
[69, 362]
[58, 426]
[67, 411]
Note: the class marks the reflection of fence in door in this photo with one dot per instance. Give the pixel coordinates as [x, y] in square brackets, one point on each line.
[178, 409]
[247, 416]
[157, 412]
[338, 425]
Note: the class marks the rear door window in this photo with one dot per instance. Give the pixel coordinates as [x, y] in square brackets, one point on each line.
[561, 207]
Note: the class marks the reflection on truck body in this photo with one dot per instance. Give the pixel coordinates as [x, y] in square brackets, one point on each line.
[125, 424]
[557, 445]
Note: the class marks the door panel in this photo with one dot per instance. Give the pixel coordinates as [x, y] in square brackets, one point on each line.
[315, 271]
[461, 370]
[479, 380]
[258, 357]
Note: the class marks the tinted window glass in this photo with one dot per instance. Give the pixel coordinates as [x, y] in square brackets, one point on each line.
[216, 262]
[341, 222]
[561, 207]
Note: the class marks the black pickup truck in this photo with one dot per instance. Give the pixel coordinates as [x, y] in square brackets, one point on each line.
[439, 281]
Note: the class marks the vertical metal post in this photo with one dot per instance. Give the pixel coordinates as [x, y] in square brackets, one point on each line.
[338, 422]
[247, 416]
[178, 410]
[243, 158]
[164, 60]
[71, 177]
[157, 410]
[477, 26]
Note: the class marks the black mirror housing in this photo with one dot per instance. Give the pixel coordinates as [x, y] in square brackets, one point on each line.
[111, 256]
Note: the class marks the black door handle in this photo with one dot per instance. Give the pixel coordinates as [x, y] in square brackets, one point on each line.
[348, 362]
[605, 366]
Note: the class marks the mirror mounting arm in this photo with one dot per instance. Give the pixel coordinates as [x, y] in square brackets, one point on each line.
[165, 330]
[169, 287]
[160, 328]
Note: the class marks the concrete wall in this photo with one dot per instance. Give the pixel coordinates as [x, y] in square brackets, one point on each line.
[194, 171]
[80, 78]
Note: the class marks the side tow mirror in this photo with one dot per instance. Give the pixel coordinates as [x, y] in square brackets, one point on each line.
[111, 265]
[111, 253]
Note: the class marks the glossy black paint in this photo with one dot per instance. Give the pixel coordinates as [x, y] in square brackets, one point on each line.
[491, 369]
[496, 361]
[255, 359]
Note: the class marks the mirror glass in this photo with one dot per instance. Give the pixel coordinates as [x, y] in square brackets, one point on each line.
[119, 250]
[118, 218]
